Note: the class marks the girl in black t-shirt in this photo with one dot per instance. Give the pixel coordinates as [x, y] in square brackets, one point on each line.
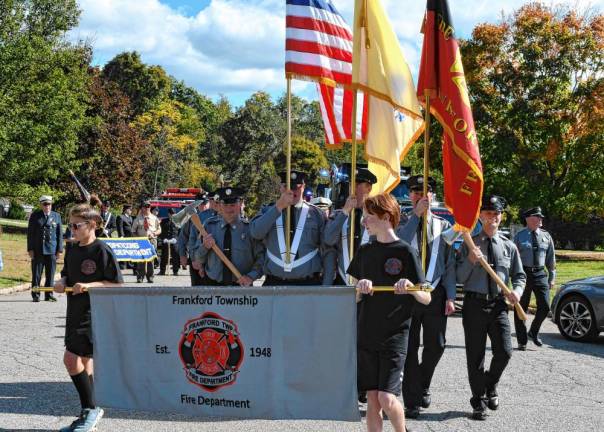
[384, 318]
[89, 263]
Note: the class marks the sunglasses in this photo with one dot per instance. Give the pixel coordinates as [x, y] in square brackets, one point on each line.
[77, 226]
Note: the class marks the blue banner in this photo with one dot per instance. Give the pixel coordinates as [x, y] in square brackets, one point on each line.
[134, 249]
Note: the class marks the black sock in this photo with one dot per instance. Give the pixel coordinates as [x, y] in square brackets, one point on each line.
[92, 399]
[84, 387]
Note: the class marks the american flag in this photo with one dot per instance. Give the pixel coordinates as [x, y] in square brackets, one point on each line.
[318, 47]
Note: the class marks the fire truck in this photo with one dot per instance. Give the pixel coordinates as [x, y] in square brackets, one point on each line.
[176, 198]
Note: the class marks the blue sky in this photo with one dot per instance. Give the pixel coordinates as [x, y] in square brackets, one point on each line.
[236, 47]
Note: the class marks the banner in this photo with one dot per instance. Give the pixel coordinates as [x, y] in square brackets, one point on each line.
[135, 249]
[261, 353]
[441, 74]
[379, 69]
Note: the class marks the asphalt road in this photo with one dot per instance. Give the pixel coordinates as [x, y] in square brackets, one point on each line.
[557, 387]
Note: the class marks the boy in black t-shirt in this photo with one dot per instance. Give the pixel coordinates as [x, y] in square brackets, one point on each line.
[88, 263]
[384, 318]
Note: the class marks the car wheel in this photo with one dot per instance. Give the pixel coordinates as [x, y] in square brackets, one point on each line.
[576, 319]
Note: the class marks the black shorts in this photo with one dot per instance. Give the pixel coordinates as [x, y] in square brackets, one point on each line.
[78, 328]
[380, 370]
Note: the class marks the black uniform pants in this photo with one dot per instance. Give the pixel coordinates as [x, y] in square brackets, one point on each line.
[144, 269]
[196, 280]
[169, 250]
[432, 319]
[536, 282]
[482, 318]
[46, 264]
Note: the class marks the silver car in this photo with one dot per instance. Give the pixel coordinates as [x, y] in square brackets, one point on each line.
[578, 309]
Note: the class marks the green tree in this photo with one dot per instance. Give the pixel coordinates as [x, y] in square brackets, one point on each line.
[250, 142]
[175, 132]
[43, 97]
[144, 85]
[112, 153]
[536, 80]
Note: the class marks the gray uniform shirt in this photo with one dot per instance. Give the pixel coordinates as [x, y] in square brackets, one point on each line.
[263, 227]
[332, 236]
[247, 253]
[546, 255]
[508, 265]
[444, 269]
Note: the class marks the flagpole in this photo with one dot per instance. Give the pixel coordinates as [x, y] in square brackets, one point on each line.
[288, 169]
[426, 174]
[353, 171]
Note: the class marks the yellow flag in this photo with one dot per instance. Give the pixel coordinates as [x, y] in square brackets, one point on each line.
[379, 69]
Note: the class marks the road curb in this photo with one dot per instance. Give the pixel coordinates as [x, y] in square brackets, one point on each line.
[15, 289]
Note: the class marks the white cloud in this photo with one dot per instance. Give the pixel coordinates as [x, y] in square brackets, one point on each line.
[235, 47]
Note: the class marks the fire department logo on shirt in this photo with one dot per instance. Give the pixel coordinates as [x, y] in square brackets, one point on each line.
[393, 266]
[211, 351]
[88, 267]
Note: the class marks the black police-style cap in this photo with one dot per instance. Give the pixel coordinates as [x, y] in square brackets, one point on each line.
[363, 175]
[416, 183]
[229, 195]
[535, 211]
[493, 202]
[296, 177]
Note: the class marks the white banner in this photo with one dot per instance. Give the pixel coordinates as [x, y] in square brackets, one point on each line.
[266, 353]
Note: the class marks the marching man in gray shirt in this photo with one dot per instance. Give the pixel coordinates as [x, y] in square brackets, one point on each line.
[432, 318]
[337, 229]
[537, 253]
[232, 235]
[485, 311]
[307, 223]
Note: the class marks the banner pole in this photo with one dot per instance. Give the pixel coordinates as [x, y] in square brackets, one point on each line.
[353, 172]
[426, 174]
[288, 169]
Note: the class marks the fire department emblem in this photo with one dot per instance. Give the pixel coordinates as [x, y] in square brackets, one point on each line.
[393, 266]
[88, 267]
[211, 351]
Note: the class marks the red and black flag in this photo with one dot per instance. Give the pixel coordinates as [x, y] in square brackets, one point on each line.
[441, 73]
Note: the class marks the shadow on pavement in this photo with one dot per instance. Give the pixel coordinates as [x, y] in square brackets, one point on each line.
[446, 415]
[557, 341]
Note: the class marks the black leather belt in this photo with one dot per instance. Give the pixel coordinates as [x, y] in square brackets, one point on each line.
[480, 296]
[274, 279]
[533, 269]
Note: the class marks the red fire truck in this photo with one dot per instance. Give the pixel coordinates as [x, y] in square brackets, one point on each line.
[176, 198]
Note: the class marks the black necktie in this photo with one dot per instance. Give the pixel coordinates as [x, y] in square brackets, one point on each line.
[493, 289]
[357, 229]
[420, 236]
[227, 275]
[535, 248]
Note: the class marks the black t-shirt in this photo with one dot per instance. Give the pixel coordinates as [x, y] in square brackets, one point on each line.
[382, 315]
[91, 263]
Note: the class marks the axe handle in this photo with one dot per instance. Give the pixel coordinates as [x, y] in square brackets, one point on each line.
[485, 265]
[227, 262]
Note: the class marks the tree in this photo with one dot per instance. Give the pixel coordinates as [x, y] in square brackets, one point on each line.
[112, 153]
[43, 82]
[144, 85]
[252, 138]
[536, 80]
[175, 133]
[307, 156]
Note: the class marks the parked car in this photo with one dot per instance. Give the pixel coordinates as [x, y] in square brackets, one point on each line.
[578, 309]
